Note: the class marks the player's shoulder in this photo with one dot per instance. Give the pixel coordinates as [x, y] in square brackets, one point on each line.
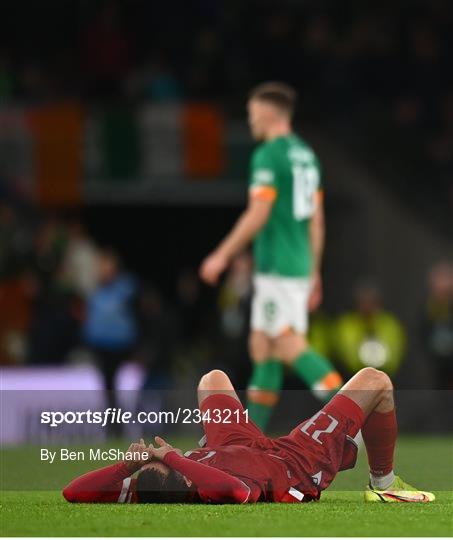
[280, 149]
[270, 154]
[300, 150]
[274, 146]
[262, 151]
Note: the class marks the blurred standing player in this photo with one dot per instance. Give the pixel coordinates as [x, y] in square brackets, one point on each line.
[285, 217]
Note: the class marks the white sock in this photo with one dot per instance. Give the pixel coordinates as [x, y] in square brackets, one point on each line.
[382, 482]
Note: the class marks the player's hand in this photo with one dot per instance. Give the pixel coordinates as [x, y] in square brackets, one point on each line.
[212, 267]
[315, 298]
[161, 450]
[141, 448]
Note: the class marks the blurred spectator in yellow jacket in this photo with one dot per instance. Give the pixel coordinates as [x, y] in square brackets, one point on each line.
[369, 335]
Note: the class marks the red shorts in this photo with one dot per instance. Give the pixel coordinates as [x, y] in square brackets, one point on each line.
[317, 448]
[324, 444]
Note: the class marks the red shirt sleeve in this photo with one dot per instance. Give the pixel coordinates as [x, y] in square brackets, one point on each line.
[109, 484]
[212, 484]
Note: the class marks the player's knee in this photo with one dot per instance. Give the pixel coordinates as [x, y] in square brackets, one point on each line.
[385, 380]
[289, 347]
[202, 382]
[376, 379]
[213, 380]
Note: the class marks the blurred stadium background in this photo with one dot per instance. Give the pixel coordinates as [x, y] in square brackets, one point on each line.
[124, 157]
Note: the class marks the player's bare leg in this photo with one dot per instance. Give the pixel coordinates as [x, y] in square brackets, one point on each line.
[259, 346]
[267, 378]
[215, 382]
[372, 390]
[316, 371]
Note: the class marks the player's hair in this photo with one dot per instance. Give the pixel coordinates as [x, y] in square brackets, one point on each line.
[153, 486]
[280, 94]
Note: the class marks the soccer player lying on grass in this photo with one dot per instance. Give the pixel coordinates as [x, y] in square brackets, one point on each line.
[240, 464]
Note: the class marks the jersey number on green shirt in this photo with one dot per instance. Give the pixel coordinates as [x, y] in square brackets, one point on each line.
[305, 185]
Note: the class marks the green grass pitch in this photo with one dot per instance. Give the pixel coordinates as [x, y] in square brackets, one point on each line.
[426, 462]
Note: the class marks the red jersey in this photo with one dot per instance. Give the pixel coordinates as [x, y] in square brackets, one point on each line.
[236, 474]
[240, 464]
[262, 470]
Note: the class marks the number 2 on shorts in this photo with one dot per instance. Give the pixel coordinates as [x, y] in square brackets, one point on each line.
[312, 422]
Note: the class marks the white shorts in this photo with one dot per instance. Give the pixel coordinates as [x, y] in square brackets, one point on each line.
[280, 303]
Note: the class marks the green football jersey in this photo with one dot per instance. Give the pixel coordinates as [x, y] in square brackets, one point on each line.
[287, 168]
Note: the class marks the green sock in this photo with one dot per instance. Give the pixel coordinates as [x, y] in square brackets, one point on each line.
[318, 374]
[267, 377]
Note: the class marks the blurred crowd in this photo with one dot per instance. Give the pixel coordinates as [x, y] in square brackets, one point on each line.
[64, 299]
[385, 68]
[166, 50]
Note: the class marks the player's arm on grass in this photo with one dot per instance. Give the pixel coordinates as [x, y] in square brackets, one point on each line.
[101, 485]
[211, 483]
[262, 194]
[105, 484]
